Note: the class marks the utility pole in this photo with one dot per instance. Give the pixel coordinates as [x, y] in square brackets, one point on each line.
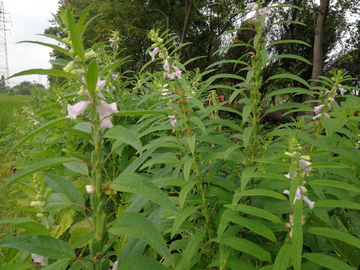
[4, 64]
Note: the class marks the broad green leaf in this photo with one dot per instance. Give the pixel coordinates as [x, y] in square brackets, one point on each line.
[246, 246]
[114, 65]
[336, 184]
[327, 261]
[246, 112]
[80, 234]
[245, 176]
[187, 170]
[63, 185]
[251, 210]
[75, 35]
[336, 234]
[57, 201]
[163, 159]
[36, 132]
[82, 19]
[257, 192]
[51, 72]
[17, 266]
[34, 228]
[141, 112]
[92, 76]
[180, 219]
[288, 41]
[192, 250]
[60, 264]
[198, 123]
[136, 225]
[253, 225]
[291, 77]
[233, 264]
[136, 184]
[291, 56]
[283, 257]
[42, 165]
[286, 106]
[78, 167]
[328, 165]
[16, 220]
[123, 135]
[184, 193]
[289, 90]
[139, 262]
[42, 245]
[66, 220]
[247, 135]
[52, 46]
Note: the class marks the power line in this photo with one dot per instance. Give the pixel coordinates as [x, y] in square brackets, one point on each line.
[4, 64]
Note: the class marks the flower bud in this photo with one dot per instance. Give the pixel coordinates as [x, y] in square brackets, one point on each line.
[90, 54]
[69, 66]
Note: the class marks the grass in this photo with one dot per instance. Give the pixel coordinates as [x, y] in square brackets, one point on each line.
[7, 106]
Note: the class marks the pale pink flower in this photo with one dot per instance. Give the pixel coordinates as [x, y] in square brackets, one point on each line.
[287, 175]
[310, 203]
[326, 116]
[164, 92]
[89, 189]
[154, 53]
[172, 120]
[253, 6]
[166, 65]
[342, 91]
[115, 266]
[357, 144]
[114, 76]
[77, 109]
[38, 259]
[264, 11]
[177, 72]
[105, 111]
[317, 109]
[304, 164]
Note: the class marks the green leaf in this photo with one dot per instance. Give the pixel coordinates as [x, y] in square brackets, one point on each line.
[43, 165]
[138, 226]
[78, 167]
[291, 77]
[233, 264]
[289, 41]
[75, 35]
[336, 184]
[198, 123]
[187, 170]
[141, 112]
[42, 245]
[328, 165]
[283, 257]
[51, 72]
[327, 261]
[184, 192]
[138, 263]
[257, 192]
[52, 46]
[63, 185]
[246, 176]
[57, 201]
[251, 210]
[333, 233]
[60, 264]
[18, 266]
[34, 228]
[114, 65]
[246, 112]
[163, 159]
[246, 246]
[136, 184]
[291, 56]
[192, 250]
[253, 225]
[80, 234]
[36, 132]
[123, 135]
[82, 19]
[247, 135]
[286, 106]
[92, 76]
[180, 219]
[289, 90]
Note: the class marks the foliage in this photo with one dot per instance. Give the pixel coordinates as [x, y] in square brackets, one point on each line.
[149, 173]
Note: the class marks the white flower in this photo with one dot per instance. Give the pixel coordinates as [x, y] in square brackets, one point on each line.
[310, 203]
[177, 72]
[357, 144]
[326, 116]
[342, 91]
[39, 259]
[89, 189]
[165, 92]
[166, 65]
[264, 11]
[287, 175]
[114, 76]
[253, 6]
[304, 164]
[154, 53]
[105, 110]
[172, 120]
[116, 265]
[77, 109]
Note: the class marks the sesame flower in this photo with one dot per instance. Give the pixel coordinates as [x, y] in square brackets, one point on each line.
[90, 189]
[310, 203]
[115, 266]
[154, 53]
[38, 259]
[105, 111]
[77, 109]
[342, 90]
[317, 109]
[253, 6]
[264, 11]
[166, 65]
[172, 120]
[304, 164]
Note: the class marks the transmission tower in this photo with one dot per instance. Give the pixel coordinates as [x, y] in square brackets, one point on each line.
[4, 65]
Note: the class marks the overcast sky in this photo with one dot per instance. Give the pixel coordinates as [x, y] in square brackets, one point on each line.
[27, 18]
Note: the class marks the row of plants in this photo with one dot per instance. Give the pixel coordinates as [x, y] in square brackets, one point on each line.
[145, 171]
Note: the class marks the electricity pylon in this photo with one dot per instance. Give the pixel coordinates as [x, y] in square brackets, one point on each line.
[4, 65]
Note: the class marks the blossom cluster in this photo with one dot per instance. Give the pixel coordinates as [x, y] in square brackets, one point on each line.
[255, 6]
[104, 109]
[290, 225]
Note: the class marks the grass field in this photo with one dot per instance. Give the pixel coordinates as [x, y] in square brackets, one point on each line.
[7, 105]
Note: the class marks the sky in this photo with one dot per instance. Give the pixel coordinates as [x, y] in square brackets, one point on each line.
[26, 19]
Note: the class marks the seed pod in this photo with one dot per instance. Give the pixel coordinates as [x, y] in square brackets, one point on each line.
[93, 248]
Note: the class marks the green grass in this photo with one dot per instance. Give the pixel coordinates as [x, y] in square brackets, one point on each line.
[7, 106]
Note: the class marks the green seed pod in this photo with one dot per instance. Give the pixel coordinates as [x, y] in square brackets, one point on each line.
[93, 201]
[93, 248]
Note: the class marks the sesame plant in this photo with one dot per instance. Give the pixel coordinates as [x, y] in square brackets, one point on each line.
[143, 171]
